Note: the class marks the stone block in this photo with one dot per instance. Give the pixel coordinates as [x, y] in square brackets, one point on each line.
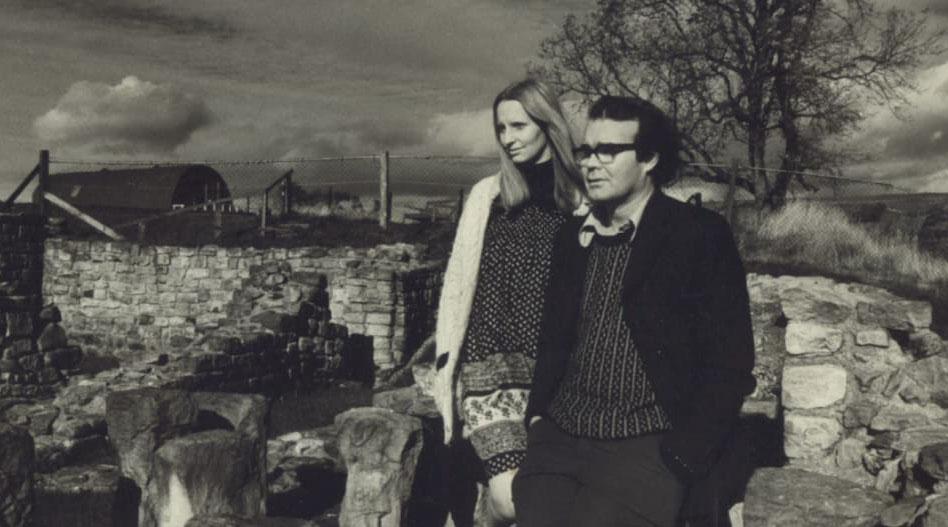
[378, 330]
[859, 413]
[903, 513]
[380, 449]
[895, 313]
[810, 338]
[815, 386]
[816, 304]
[85, 496]
[19, 324]
[849, 453]
[897, 416]
[78, 425]
[65, 358]
[37, 418]
[230, 520]
[17, 465]
[873, 337]
[925, 343]
[142, 420]
[809, 437]
[210, 472]
[32, 362]
[921, 381]
[933, 460]
[378, 318]
[937, 515]
[50, 313]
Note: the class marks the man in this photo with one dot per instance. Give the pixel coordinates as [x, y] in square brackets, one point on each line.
[646, 351]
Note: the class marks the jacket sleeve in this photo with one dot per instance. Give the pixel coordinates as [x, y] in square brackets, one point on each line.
[723, 364]
[552, 352]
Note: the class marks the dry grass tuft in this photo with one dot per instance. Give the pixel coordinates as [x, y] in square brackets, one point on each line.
[819, 237]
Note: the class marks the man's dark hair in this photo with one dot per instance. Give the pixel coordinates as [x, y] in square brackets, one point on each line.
[657, 133]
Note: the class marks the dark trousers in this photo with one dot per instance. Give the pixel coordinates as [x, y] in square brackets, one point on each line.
[571, 481]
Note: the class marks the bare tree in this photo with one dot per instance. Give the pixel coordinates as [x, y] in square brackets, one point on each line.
[763, 72]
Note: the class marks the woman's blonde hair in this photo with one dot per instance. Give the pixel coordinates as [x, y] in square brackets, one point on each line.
[542, 105]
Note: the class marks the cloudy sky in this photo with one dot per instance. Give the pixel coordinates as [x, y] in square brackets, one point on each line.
[247, 79]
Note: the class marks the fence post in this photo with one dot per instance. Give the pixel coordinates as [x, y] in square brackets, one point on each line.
[43, 182]
[330, 200]
[460, 207]
[287, 201]
[218, 225]
[731, 190]
[385, 204]
[264, 212]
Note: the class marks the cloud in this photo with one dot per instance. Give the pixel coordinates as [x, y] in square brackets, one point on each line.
[934, 182]
[132, 117]
[129, 16]
[466, 133]
[908, 150]
[923, 138]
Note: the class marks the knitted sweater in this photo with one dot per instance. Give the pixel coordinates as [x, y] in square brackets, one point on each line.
[606, 392]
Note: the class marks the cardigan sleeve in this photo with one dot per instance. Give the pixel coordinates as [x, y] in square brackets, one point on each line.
[460, 278]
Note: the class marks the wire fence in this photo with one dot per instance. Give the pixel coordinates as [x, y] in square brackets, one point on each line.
[387, 187]
[344, 186]
[422, 177]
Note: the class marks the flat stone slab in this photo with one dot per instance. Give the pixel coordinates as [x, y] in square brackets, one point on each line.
[786, 497]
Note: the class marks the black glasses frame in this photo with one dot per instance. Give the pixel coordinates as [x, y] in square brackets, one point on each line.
[604, 152]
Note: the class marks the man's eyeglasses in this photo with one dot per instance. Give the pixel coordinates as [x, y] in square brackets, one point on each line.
[604, 152]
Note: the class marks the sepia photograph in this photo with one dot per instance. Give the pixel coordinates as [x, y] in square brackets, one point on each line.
[474, 263]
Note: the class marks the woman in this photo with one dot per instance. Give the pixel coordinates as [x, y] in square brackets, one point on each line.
[495, 282]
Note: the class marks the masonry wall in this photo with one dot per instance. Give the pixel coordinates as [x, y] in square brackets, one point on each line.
[25, 368]
[863, 380]
[132, 300]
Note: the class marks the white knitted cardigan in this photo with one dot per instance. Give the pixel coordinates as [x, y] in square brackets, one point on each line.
[457, 295]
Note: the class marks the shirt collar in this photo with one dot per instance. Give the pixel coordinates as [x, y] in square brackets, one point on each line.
[593, 227]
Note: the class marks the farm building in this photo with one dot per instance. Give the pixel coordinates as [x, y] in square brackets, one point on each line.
[149, 190]
[120, 197]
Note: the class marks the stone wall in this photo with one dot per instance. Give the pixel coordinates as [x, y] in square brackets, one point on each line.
[132, 300]
[864, 384]
[23, 370]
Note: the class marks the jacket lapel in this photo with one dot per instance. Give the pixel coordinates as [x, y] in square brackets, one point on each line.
[651, 234]
[574, 272]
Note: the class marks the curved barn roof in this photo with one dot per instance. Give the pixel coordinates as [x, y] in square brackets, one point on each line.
[153, 188]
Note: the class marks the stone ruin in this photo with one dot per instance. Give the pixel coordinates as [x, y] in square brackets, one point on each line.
[850, 410]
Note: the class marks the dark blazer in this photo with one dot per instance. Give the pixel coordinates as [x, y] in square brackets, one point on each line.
[684, 297]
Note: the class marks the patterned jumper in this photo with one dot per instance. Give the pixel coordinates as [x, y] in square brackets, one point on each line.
[606, 392]
[500, 346]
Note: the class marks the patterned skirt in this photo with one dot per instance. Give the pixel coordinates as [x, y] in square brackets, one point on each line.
[493, 402]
